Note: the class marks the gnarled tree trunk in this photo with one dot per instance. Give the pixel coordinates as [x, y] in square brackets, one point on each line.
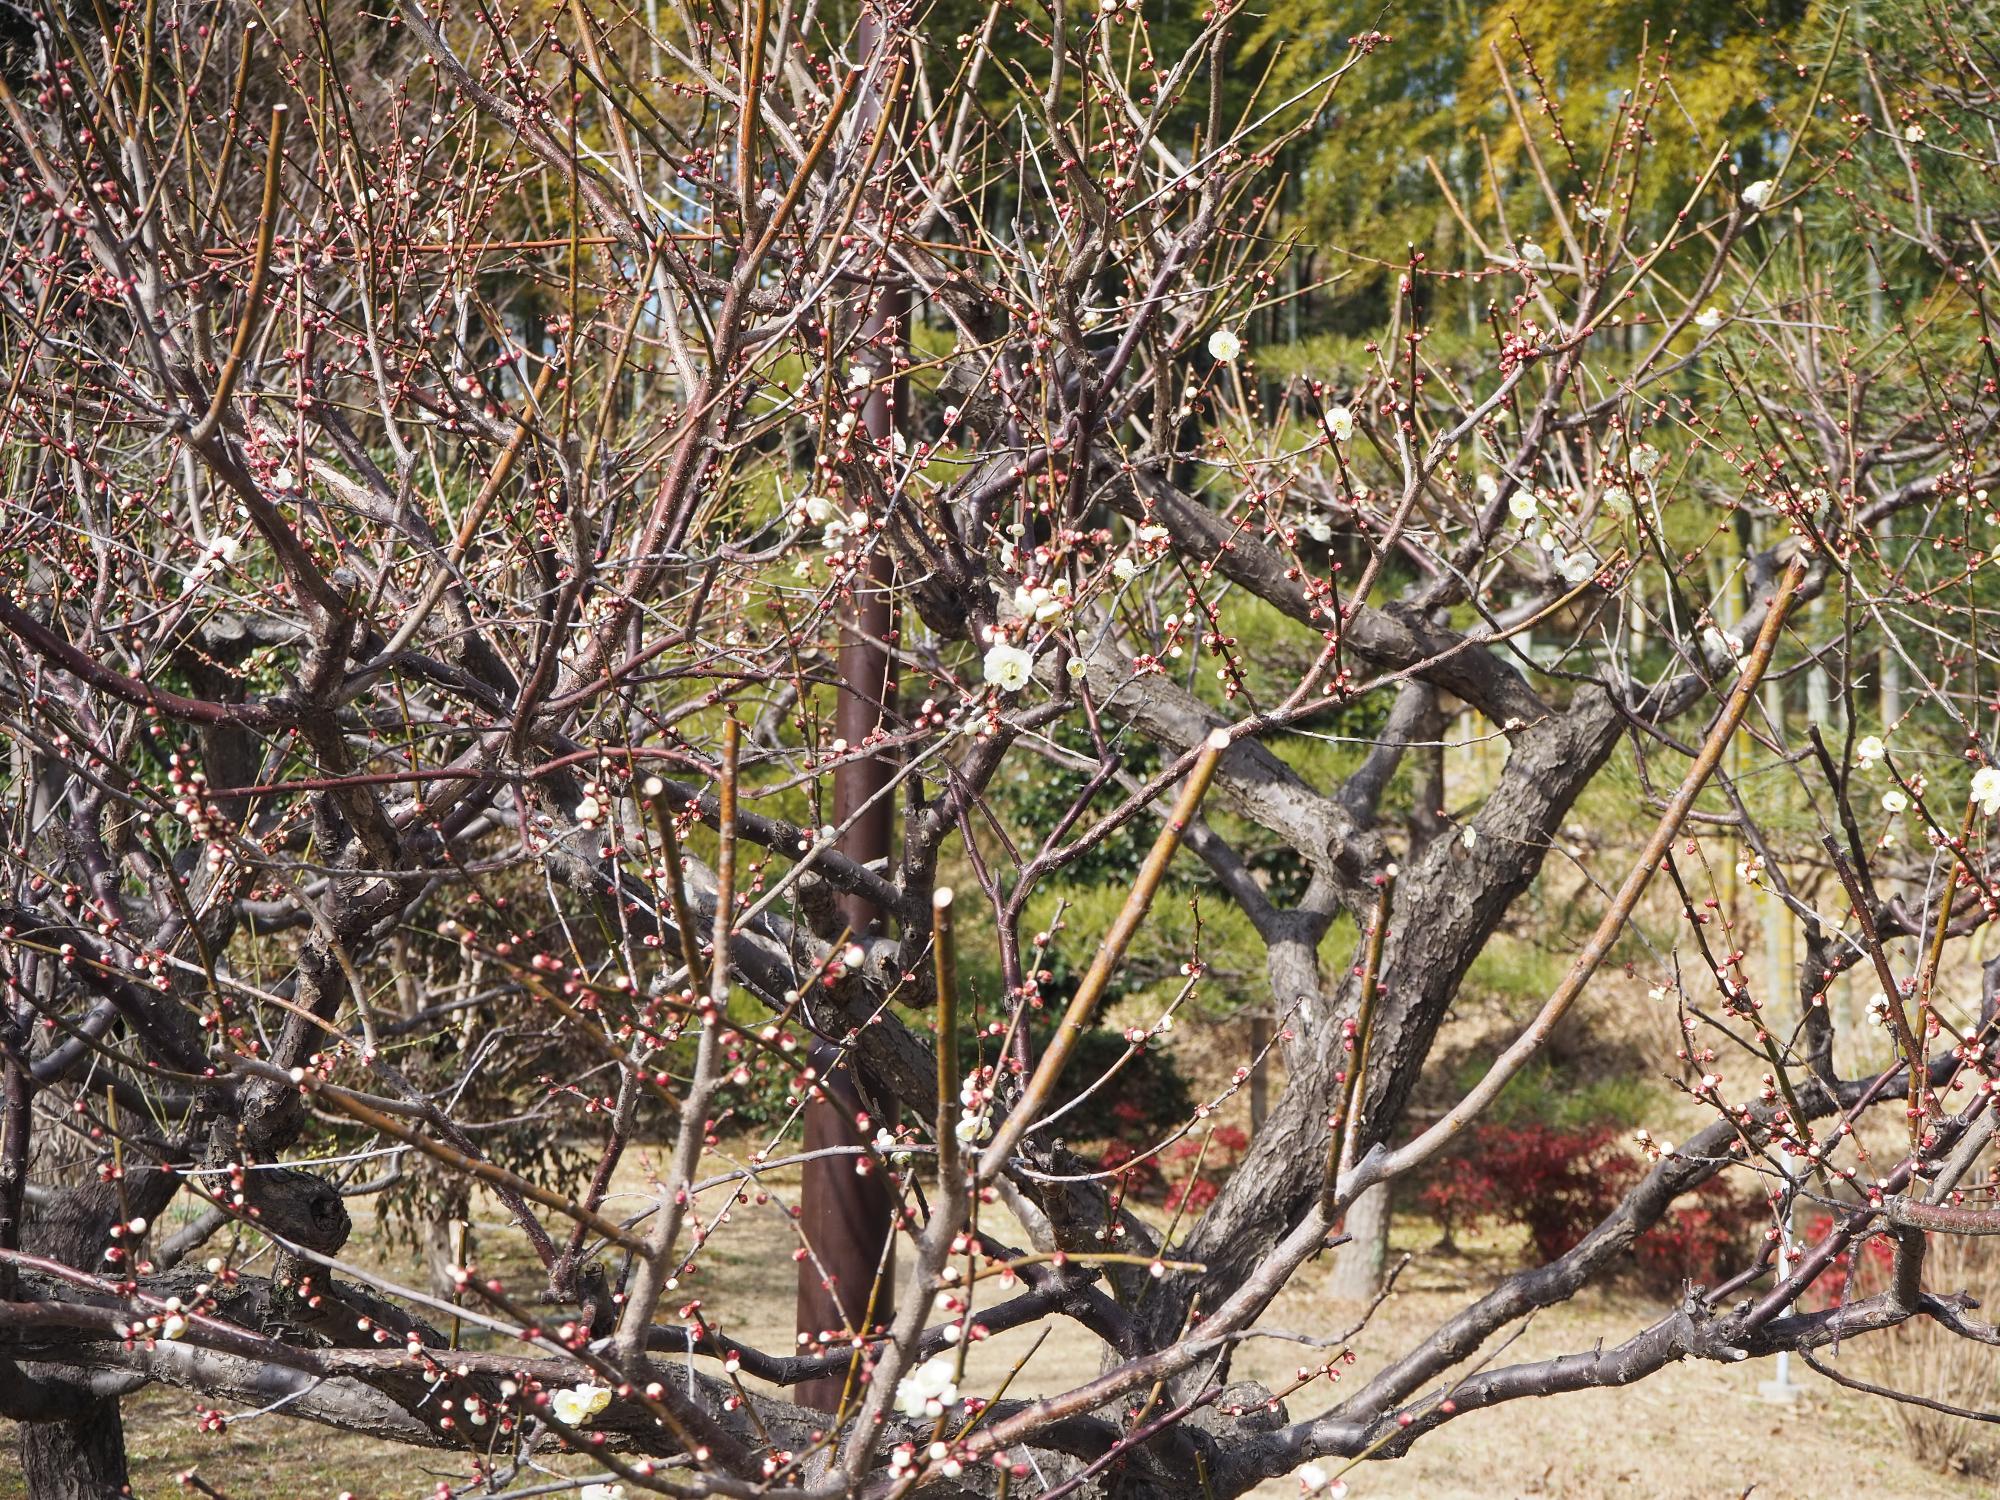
[80, 1457]
[72, 1438]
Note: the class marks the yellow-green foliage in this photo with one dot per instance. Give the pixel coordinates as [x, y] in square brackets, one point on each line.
[1437, 93]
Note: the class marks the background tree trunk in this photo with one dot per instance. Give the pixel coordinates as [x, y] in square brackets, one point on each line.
[1260, 1072]
[1358, 1265]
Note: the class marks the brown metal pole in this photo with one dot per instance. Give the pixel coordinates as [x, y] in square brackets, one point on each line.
[1260, 1072]
[847, 1218]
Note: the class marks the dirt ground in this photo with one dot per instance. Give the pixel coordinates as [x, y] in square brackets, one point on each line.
[1693, 1431]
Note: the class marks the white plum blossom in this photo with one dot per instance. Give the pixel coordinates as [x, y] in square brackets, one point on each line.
[1913, 133]
[1008, 667]
[1986, 790]
[1314, 1480]
[1316, 526]
[284, 479]
[1894, 801]
[601, 1492]
[930, 1389]
[1708, 320]
[1340, 422]
[818, 509]
[1533, 254]
[1759, 193]
[1124, 569]
[1577, 566]
[887, 1145]
[1716, 644]
[1043, 603]
[1645, 460]
[1523, 503]
[1869, 752]
[1224, 344]
[218, 554]
[1617, 500]
[973, 1130]
[579, 1403]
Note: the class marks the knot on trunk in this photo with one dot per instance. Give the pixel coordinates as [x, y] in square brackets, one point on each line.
[299, 1207]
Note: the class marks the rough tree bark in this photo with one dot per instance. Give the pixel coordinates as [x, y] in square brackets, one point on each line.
[78, 1452]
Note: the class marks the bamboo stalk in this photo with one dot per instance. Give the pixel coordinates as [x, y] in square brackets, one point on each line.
[260, 267]
[1364, 1025]
[1083, 1005]
[944, 953]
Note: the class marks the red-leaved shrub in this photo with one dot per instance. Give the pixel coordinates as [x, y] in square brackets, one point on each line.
[1699, 1239]
[1170, 1177]
[1552, 1182]
[1842, 1280]
[1559, 1183]
[1193, 1189]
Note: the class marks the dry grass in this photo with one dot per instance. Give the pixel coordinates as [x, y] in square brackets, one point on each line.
[1698, 1431]
[1922, 1359]
[1691, 1431]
